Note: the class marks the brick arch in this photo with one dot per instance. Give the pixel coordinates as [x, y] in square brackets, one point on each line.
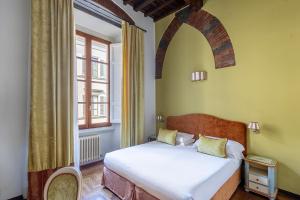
[209, 26]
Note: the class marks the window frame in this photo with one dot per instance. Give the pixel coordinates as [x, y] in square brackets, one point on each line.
[89, 79]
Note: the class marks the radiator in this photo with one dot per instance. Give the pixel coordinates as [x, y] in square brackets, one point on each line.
[90, 150]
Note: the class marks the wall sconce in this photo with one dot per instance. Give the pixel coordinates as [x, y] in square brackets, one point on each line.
[160, 118]
[254, 127]
[199, 76]
[160, 122]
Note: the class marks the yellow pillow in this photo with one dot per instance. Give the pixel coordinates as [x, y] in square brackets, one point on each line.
[212, 146]
[167, 136]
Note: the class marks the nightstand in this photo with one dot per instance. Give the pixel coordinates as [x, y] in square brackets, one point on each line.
[151, 138]
[261, 176]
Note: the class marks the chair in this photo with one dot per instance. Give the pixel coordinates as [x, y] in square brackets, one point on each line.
[63, 184]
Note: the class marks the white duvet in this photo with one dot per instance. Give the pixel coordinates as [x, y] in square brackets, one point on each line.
[172, 172]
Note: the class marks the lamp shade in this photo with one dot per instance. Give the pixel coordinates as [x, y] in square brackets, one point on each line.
[160, 118]
[254, 126]
[199, 76]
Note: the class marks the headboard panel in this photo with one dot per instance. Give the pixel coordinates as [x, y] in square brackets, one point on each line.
[209, 125]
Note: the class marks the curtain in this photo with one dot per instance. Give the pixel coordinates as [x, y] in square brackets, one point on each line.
[51, 139]
[132, 125]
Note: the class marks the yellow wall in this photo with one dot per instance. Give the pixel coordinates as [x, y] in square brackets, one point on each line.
[263, 86]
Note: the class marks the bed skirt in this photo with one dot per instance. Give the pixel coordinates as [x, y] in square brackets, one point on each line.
[126, 190]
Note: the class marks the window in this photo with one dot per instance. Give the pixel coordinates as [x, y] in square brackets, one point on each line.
[92, 62]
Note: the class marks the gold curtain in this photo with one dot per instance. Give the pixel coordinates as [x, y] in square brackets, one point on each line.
[51, 139]
[132, 132]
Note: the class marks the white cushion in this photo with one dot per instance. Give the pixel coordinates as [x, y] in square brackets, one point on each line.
[184, 138]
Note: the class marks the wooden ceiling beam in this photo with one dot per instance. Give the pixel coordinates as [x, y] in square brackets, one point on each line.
[156, 10]
[156, 13]
[125, 2]
[170, 11]
[195, 4]
[114, 8]
[141, 5]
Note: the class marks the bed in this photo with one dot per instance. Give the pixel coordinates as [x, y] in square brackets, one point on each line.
[156, 170]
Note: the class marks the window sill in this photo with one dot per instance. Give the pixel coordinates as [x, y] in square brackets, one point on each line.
[115, 121]
[96, 131]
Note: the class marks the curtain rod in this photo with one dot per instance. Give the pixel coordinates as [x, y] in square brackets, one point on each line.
[137, 27]
[102, 14]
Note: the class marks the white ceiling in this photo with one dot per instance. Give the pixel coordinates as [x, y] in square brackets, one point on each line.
[97, 27]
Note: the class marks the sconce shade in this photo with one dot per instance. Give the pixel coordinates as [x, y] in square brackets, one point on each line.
[199, 76]
[254, 126]
[160, 118]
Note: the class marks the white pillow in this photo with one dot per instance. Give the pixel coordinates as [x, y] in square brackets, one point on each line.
[233, 149]
[185, 142]
[184, 138]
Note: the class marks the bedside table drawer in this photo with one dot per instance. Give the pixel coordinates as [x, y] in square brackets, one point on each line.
[259, 179]
[259, 188]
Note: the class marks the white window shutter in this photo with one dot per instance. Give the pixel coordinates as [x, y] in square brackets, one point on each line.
[115, 82]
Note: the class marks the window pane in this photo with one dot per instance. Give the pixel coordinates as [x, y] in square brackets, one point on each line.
[81, 65]
[81, 91]
[99, 113]
[99, 93]
[99, 98]
[80, 46]
[99, 51]
[81, 114]
[99, 72]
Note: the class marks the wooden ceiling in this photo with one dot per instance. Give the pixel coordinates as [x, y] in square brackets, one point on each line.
[158, 9]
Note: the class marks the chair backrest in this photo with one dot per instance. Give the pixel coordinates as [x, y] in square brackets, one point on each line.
[65, 183]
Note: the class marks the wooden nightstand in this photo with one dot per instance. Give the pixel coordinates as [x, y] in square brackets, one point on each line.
[151, 138]
[261, 176]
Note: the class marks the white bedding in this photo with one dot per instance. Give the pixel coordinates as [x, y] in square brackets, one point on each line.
[172, 172]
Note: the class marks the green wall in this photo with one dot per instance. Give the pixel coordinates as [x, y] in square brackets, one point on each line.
[264, 85]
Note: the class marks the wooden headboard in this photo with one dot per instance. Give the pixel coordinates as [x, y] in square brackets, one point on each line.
[210, 126]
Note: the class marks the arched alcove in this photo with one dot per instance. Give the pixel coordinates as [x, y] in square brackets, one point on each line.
[212, 29]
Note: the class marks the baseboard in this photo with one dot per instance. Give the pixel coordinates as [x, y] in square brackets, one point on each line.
[17, 198]
[290, 194]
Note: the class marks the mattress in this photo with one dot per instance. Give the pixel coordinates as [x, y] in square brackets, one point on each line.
[172, 172]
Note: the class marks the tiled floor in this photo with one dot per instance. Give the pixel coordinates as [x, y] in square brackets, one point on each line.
[93, 190]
